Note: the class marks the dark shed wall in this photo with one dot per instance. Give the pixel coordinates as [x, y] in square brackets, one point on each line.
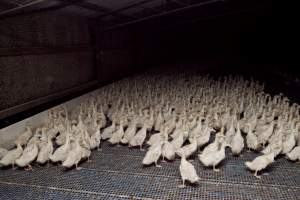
[64, 60]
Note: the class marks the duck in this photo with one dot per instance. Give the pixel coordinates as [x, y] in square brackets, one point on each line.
[129, 133]
[168, 151]
[61, 153]
[294, 154]
[252, 140]
[107, 132]
[154, 139]
[11, 156]
[189, 149]
[213, 158]
[203, 138]
[3, 152]
[28, 155]
[24, 137]
[95, 139]
[153, 154]
[289, 143]
[178, 142]
[212, 147]
[187, 172]
[117, 135]
[139, 138]
[159, 121]
[266, 134]
[260, 163]
[237, 143]
[45, 151]
[74, 156]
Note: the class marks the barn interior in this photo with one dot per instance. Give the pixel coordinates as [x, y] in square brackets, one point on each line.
[56, 54]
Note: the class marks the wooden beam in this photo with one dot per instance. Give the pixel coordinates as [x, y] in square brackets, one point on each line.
[18, 51]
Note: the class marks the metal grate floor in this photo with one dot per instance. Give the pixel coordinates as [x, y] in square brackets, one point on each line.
[117, 173]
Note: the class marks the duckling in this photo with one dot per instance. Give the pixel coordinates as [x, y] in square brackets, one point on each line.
[29, 154]
[11, 156]
[24, 137]
[289, 143]
[107, 133]
[187, 172]
[260, 163]
[95, 139]
[189, 149]
[237, 143]
[61, 153]
[213, 158]
[129, 133]
[45, 151]
[117, 135]
[294, 154]
[230, 133]
[74, 156]
[139, 138]
[153, 154]
[3, 152]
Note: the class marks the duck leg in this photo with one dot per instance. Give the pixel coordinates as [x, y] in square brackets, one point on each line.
[215, 170]
[13, 166]
[99, 149]
[183, 185]
[157, 165]
[78, 168]
[255, 174]
[89, 160]
[163, 159]
[28, 168]
[141, 148]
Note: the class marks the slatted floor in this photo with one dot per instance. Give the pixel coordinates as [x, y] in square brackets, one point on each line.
[117, 173]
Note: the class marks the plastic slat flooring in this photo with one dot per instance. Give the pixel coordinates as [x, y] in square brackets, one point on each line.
[117, 173]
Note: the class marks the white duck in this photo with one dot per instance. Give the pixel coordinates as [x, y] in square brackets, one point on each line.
[154, 139]
[29, 155]
[168, 151]
[3, 152]
[237, 143]
[260, 163]
[204, 137]
[213, 158]
[74, 156]
[294, 154]
[139, 138]
[178, 142]
[24, 137]
[264, 136]
[252, 140]
[153, 154]
[95, 139]
[11, 156]
[189, 149]
[107, 133]
[130, 132]
[289, 143]
[45, 151]
[117, 135]
[61, 153]
[187, 172]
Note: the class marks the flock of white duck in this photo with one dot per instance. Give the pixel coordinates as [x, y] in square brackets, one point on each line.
[179, 113]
